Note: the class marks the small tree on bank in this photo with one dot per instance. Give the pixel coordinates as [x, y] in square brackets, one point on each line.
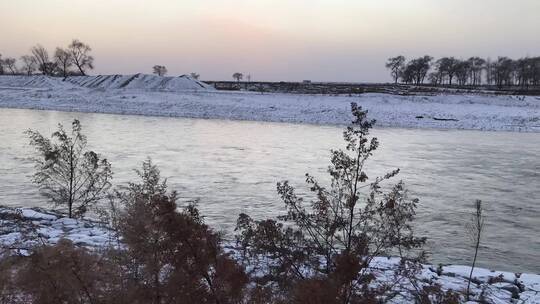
[66, 172]
[63, 61]
[41, 56]
[396, 66]
[80, 56]
[10, 65]
[475, 227]
[159, 70]
[238, 76]
[29, 64]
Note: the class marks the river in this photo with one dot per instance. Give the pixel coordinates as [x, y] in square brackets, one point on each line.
[233, 167]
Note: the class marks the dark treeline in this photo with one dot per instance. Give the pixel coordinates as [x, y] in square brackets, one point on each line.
[75, 59]
[475, 71]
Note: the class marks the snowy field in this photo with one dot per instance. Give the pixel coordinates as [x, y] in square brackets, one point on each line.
[497, 286]
[185, 97]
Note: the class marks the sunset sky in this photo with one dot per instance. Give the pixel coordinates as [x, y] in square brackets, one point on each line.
[326, 40]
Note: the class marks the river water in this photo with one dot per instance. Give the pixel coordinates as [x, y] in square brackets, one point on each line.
[233, 167]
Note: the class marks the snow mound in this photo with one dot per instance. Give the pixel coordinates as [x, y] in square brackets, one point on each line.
[35, 81]
[140, 82]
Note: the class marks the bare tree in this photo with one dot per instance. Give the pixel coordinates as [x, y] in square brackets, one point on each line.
[434, 78]
[503, 70]
[423, 69]
[476, 64]
[437, 76]
[29, 64]
[527, 71]
[194, 76]
[522, 71]
[80, 55]
[535, 71]
[63, 60]
[407, 76]
[489, 71]
[396, 65]
[462, 70]
[1, 65]
[238, 76]
[475, 231]
[159, 70]
[42, 58]
[446, 68]
[9, 64]
[416, 70]
[66, 172]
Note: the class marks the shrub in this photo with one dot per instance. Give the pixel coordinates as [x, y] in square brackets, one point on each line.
[322, 251]
[64, 273]
[165, 256]
[173, 256]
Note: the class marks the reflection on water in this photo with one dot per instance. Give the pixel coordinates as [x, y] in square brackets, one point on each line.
[232, 167]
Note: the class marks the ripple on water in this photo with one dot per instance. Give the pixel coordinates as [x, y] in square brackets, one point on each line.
[233, 167]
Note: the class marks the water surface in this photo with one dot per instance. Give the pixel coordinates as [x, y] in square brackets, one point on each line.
[233, 167]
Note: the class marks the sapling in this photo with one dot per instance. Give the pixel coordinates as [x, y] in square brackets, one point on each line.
[67, 172]
[476, 227]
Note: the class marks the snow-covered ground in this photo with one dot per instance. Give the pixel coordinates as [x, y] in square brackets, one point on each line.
[22, 228]
[185, 97]
[49, 227]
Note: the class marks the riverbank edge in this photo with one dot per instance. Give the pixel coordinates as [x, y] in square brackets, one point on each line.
[23, 228]
[378, 125]
[441, 111]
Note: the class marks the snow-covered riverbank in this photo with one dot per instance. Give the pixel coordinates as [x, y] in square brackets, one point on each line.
[146, 95]
[50, 227]
[21, 228]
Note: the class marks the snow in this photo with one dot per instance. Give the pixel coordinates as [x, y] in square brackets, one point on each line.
[50, 227]
[185, 97]
[37, 81]
[33, 214]
[139, 82]
[23, 227]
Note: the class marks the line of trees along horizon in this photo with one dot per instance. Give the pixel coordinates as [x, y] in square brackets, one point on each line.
[475, 71]
[75, 59]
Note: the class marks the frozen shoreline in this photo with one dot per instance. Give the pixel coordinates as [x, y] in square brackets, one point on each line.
[470, 112]
[498, 286]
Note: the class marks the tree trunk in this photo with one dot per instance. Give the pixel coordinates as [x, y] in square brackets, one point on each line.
[81, 70]
[71, 178]
[473, 264]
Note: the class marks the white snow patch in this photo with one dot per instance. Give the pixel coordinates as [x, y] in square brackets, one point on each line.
[24, 227]
[36, 81]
